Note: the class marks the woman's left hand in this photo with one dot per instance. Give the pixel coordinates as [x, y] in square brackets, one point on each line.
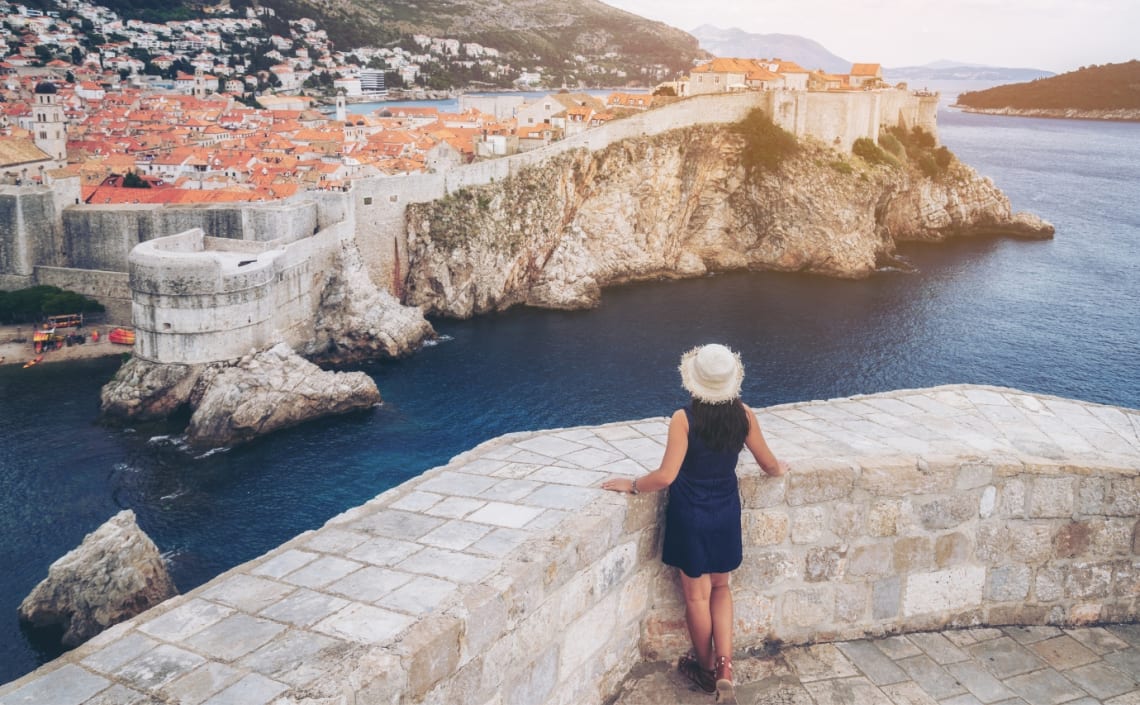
[618, 484]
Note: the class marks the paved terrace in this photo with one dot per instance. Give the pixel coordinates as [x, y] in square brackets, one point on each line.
[436, 589]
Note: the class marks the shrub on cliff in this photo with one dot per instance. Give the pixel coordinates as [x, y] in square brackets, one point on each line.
[766, 145]
[872, 153]
[918, 147]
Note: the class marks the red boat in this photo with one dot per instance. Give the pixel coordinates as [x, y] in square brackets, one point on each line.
[122, 336]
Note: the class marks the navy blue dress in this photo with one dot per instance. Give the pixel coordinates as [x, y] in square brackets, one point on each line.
[702, 518]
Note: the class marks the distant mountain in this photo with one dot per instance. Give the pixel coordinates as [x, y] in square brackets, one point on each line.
[946, 70]
[1107, 87]
[738, 43]
[548, 33]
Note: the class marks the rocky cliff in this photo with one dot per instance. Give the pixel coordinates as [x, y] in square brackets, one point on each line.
[682, 204]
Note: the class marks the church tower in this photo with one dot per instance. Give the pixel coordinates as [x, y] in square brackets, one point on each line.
[49, 129]
[341, 112]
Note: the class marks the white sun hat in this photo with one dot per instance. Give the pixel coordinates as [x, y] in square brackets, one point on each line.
[712, 373]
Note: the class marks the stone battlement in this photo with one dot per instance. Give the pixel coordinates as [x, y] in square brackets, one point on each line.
[508, 576]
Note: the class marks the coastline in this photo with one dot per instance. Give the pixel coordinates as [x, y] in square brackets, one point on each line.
[1121, 115]
[18, 353]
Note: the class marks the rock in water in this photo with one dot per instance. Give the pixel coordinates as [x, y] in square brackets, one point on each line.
[268, 391]
[115, 574]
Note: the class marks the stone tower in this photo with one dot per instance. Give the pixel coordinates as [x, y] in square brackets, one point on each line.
[49, 129]
[341, 112]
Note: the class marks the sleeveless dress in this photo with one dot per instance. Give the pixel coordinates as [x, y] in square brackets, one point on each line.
[702, 518]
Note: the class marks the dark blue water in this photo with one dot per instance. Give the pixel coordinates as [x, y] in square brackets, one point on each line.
[1058, 317]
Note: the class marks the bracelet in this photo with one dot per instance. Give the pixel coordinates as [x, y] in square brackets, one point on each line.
[633, 487]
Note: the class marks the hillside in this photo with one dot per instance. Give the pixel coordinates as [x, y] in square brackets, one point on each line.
[1111, 87]
[529, 32]
[803, 51]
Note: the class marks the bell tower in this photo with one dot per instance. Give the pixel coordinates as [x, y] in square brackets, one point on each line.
[49, 129]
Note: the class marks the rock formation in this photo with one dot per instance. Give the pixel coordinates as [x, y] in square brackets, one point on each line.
[681, 204]
[239, 400]
[115, 574]
[269, 391]
[357, 321]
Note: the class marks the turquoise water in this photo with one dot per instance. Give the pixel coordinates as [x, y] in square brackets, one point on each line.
[1057, 317]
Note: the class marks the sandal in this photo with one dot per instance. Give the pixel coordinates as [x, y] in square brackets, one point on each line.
[725, 691]
[691, 669]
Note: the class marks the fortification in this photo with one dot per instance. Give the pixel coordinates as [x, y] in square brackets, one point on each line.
[47, 236]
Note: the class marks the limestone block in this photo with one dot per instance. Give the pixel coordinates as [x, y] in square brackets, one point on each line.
[1030, 542]
[430, 652]
[988, 503]
[948, 512]
[1123, 497]
[1113, 537]
[886, 598]
[483, 613]
[808, 608]
[1136, 538]
[851, 602]
[951, 549]
[1012, 499]
[1053, 497]
[1085, 613]
[753, 615]
[1008, 583]
[584, 637]
[912, 554]
[766, 528]
[992, 542]
[813, 485]
[1015, 613]
[1088, 580]
[871, 560]
[1049, 585]
[1072, 539]
[956, 588]
[895, 477]
[767, 568]
[1126, 578]
[973, 475]
[808, 525]
[758, 491]
[824, 564]
[535, 681]
[883, 518]
[847, 519]
[1091, 495]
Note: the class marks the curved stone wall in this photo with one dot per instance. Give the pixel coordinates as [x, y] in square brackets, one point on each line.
[507, 576]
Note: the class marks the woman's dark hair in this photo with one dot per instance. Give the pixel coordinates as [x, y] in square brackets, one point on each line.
[722, 426]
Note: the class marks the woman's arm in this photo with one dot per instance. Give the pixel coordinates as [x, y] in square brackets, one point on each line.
[675, 446]
[755, 443]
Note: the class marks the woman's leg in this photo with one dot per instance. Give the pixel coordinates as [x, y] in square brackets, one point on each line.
[720, 609]
[698, 617]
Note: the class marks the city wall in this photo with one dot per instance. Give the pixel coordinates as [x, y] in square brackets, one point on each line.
[40, 227]
[508, 576]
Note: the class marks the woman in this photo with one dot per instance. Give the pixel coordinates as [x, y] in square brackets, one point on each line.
[702, 520]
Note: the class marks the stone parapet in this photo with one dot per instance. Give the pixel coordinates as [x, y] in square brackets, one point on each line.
[507, 576]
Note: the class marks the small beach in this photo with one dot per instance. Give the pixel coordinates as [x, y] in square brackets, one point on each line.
[13, 352]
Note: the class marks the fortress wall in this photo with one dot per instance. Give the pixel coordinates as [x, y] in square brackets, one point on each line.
[194, 305]
[508, 576]
[201, 299]
[112, 289]
[910, 110]
[29, 233]
[379, 207]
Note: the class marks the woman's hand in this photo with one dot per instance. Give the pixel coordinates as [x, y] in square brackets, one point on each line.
[618, 484]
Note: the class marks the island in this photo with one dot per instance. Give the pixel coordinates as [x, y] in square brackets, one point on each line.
[1108, 92]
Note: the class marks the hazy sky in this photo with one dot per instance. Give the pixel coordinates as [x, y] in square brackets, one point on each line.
[1056, 35]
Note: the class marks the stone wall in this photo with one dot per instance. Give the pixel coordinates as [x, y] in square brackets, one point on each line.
[508, 576]
[199, 299]
[108, 288]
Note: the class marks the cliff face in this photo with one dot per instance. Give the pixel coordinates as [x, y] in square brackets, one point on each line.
[681, 204]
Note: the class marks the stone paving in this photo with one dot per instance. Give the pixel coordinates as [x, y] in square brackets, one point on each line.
[1007, 666]
[358, 590]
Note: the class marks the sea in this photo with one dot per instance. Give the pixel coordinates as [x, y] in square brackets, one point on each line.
[1059, 317]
